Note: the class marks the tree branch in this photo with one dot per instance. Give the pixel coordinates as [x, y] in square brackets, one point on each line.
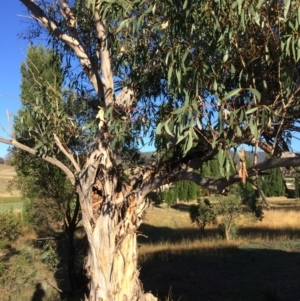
[65, 152]
[51, 160]
[70, 19]
[217, 185]
[71, 41]
[260, 191]
[104, 56]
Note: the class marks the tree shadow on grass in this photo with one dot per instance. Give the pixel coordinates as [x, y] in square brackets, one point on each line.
[57, 248]
[7, 252]
[222, 273]
[154, 234]
[182, 207]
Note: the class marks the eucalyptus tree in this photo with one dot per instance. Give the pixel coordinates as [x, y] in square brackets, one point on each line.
[198, 77]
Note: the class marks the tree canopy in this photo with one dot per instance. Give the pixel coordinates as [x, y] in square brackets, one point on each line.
[197, 78]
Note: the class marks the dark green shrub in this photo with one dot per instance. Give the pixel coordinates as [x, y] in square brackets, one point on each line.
[50, 255]
[202, 214]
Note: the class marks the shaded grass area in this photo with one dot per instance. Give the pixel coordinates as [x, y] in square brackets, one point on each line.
[263, 264]
[223, 273]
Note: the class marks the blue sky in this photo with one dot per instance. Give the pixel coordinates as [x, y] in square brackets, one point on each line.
[12, 53]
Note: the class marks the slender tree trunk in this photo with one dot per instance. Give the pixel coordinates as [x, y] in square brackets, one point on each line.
[70, 228]
[227, 231]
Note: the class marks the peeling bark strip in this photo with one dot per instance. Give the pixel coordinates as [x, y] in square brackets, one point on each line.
[243, 168]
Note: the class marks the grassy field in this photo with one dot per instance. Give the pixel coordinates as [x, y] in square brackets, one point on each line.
[176, 263]
[262, 264]
[9, 200]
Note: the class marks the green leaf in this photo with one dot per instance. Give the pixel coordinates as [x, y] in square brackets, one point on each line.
[181, 137]
[238, 131]
[179, 111]
[199, 125]
[226, 56]
[232, 93]
[215, 86]
[168, 129]
[123, 24]
[255, 92]
[178, 75]
[170, 71]
[260, 3]
[189, 143]
[241, 117]
[240, 155]
[227, 168]
[221, 157]
[159, 128]
[250, 111]
[232, 71]
[185, 4]
[286, 7]
[153, 9]
[253, 128]
[38, 145]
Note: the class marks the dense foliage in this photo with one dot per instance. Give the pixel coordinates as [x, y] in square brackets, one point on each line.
[272, 183]
[203, 214]
[10, 226]
[51, 202]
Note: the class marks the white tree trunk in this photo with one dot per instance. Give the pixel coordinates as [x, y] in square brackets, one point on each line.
[110, 217]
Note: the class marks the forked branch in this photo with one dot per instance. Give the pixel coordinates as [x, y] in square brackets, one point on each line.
[66, 153]
[51, 160]
[70, 40]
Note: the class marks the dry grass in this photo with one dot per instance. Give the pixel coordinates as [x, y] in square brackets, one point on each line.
[172, 227]
[262, 264]
[7, 173]
[25, 276]
[281, 219]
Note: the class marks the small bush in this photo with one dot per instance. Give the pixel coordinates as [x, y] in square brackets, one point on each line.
[203, 214]
[228, 231]
[50, 256]
[10, 226]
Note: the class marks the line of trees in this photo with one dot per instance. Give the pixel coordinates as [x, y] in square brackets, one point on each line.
[271, 183]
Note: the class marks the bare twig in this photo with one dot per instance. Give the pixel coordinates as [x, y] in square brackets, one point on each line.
[51, 160]
[66, 153]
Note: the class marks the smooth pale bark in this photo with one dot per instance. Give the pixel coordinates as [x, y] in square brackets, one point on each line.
[111, 216]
